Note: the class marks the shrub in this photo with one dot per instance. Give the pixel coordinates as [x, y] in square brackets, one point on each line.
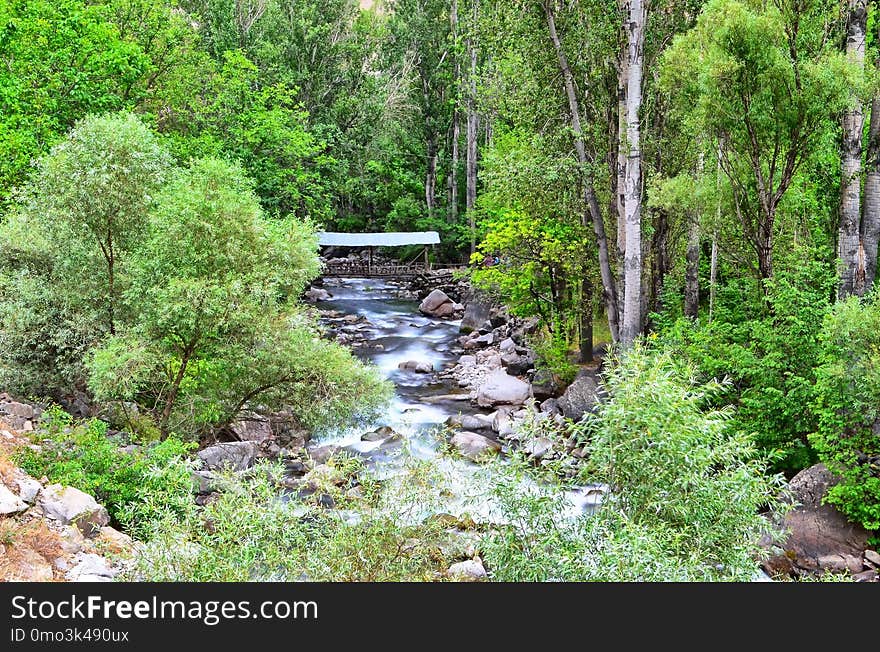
[137, 486]
[848, 405]
[685, 494]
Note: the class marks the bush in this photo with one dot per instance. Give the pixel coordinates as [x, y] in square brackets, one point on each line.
[769, 355]
[684, 500]
[252, 532]
[848, 405]
[138, 487]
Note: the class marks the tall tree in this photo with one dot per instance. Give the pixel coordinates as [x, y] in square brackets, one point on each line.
[592, 214]
[636, 17]
[849, 245]
[472, 123]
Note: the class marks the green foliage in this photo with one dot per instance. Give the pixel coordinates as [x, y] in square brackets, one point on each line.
[684, 492]
[62, 60]
[848, 408]
[253, 533]
[769, 352]
[66, 248]
[212, 291]
[554, 355]
[139, 486]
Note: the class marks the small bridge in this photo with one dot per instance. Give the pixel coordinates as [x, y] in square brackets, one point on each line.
[359, 268]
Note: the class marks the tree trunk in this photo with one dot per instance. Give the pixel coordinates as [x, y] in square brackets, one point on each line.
[586, 321]
[431, 176]
[871, 216]
[713, 273]
[592, 212]
[472, 126]
[620, 184]
[659, 259]
[851, 158]
[174, 389]
[632, 310]
[452, 210]
[692, 275]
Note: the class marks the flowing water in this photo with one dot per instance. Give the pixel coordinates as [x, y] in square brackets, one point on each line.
[396, 332]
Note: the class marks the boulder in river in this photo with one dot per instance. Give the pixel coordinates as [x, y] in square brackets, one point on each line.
[380, 434]
[499, 388]
[437, 304]
[418, 366]
[473, 446]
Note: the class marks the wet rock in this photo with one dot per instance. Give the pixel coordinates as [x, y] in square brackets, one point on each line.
[236, 455]
[468, 422]
[10, 503]
[437, 304]
[70, 506]
[317, 294]
[381, 434]
[473, 446]
[580, 397]
[499, 388]
[418, 366]
[471, 570]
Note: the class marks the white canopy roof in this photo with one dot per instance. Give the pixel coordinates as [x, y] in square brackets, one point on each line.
[393, 239]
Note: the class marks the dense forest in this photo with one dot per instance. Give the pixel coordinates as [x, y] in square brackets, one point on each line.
[682, 195]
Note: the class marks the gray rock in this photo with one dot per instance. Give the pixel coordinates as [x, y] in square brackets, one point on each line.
[544, 385]
[437, 304]
[471, 570]
[317, 294]
[473, 446]
[499, 388]
[91, 568]
[320, 454]
[503, 422]
[70, 506]
[9, 502]
[467, 422]
[381, 434]
[507, 346]
[418, 366]
[252, 428]
[235, 455]
[28, 488]
[476, 314]
[538, 448]
[16, 409]
[203, 482]
[873, 558]
[467, 360]
[485, 340]
[580, 397]
[550, 406]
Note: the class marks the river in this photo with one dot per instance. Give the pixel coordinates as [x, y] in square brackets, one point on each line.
[396, 332]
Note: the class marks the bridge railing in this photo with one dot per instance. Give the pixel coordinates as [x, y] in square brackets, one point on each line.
[365, 269]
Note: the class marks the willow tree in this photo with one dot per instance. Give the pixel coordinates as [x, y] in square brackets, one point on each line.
[767, 84]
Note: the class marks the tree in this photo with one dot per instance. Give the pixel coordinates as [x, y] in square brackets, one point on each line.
[849, 242]
[765, 84]
[68, 244]
[637, 16]
[62, 59]
[213, 287]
